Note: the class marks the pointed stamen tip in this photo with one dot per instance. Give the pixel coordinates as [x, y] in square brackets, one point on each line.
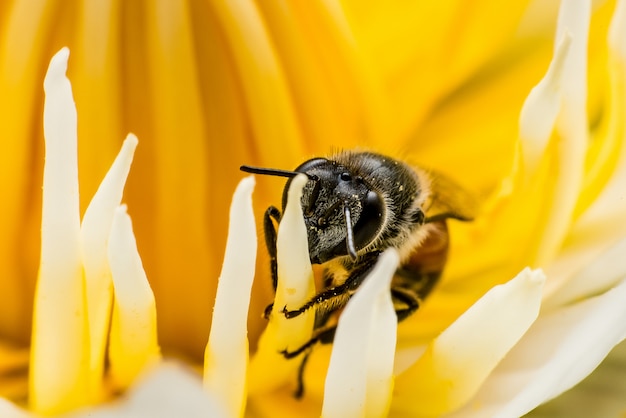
[121, 209]
[61, 56]
[57, 67]
[532, 276]
[297, 184]
[131, 140]
[246, 186]
[537, 276]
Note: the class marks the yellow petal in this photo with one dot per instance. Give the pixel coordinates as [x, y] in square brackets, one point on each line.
[96, 74]
[60, 348]
[175, 193]
[24, 56]
[318, 66]
[453, 139]
[226, 354]
[133, 340]
[359, 378]
[13, 370]
[261, 77]
[421, 51]
[457, 362]
[534, 211]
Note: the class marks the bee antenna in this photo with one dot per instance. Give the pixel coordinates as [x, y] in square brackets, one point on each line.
[350, 233]
[275, 172]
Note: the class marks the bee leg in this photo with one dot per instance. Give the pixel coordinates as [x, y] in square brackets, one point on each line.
[324, 336]
[268, 311]
[271, 214]
[299, 393]
[410, 301]
[336, 297]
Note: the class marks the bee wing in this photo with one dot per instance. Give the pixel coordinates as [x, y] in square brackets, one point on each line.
[449, 200]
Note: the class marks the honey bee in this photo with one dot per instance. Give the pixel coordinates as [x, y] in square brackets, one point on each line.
[355, 206]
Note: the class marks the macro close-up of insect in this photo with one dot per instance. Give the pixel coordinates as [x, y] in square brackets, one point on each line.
[356, 205]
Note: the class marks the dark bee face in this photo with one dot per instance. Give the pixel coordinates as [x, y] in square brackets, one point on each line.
[335, 199]
[354, 201]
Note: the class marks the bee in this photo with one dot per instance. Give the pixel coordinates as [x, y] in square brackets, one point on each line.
[356, 205]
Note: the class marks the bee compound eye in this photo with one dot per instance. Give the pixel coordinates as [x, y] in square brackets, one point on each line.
[370, 220]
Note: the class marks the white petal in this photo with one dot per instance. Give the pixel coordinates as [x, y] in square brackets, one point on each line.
[359, 377]
[598, 276]
[133, 337]
[541, 108]
[226, 354]
[601, 394]
[296, 286]
[458, 361]
[294, 267]
[8, 410]
[574, 17]
[60, 237]
[60, 341]
[169, 391]
[572, 128]
[617, 30]
[95, 230]
[558, 351]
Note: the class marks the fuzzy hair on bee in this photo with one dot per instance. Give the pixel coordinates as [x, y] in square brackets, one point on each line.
[403, 191]
[355, 205]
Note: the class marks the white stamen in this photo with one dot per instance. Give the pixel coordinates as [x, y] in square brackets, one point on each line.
[359, 378]
[226, 354]
[60, 342]
[95, 230]
[133, 339]
[295, 287]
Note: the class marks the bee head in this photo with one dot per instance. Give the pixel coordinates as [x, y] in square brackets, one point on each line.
[341, 211]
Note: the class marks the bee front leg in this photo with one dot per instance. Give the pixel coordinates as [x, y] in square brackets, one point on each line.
[271, 214]
[324, 335]
[336, 297]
